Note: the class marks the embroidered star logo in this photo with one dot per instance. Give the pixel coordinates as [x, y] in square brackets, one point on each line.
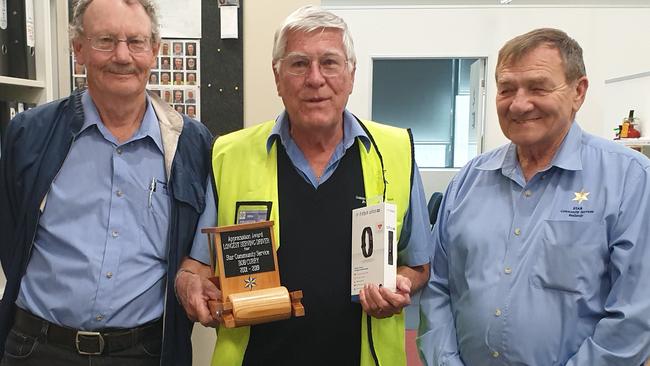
[581, 196]
[250, 282]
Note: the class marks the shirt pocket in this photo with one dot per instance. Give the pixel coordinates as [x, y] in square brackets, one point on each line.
[572, 256]
[155, 220]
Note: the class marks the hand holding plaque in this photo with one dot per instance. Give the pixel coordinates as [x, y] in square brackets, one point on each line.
[248, 276]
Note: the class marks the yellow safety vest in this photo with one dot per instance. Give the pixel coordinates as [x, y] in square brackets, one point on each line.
[244, 171]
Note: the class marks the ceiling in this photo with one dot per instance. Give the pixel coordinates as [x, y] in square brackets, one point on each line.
[642, 3]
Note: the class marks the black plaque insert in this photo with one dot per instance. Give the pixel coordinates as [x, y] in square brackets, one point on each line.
[247, 251]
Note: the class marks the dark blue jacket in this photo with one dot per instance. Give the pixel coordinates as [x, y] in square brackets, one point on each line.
[34, 148]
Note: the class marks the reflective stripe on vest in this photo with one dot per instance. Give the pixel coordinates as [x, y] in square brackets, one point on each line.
[244, 171]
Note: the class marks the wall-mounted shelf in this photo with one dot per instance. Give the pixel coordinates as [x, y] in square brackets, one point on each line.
[642, 141]
[6, 80]
[628, 77]
[641, 145]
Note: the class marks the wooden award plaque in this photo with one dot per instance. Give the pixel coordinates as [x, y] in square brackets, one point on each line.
[248, 276]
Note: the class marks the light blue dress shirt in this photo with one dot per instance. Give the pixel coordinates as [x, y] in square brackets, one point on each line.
[100, 253]
[414, 243]
[553, 271]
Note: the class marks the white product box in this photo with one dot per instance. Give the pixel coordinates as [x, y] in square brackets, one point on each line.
[374, 246]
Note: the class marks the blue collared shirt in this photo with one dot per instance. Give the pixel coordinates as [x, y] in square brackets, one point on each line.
[100, 253]
[415, 238]
[553, 271]
[351, 131]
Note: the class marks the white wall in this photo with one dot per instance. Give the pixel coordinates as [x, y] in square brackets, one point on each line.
[614, 39]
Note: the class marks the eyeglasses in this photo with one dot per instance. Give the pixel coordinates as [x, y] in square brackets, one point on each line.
[329, 65]
[107, 43]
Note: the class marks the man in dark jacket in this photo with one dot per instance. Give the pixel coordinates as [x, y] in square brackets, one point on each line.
[100, 195]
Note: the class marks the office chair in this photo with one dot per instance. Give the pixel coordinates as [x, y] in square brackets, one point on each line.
[433, 206]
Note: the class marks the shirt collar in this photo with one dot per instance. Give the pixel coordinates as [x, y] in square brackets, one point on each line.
[567, 157]
[148, 127]
[351, 130]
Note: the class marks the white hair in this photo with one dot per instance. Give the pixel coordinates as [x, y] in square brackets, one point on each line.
[308, 19]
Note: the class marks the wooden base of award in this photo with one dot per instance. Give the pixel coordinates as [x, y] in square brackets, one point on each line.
[258, 306]
[246, 259]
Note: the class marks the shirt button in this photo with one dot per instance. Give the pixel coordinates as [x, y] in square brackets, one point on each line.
[119, 193]
[507, 270]
[115, 234]
[109, 274]
[119, 151]
[528, 193]
[497, 312]
[495, 354]
[99, 317]
[517, 231]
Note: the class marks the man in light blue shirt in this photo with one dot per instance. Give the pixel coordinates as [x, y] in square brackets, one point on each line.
[72, 219]
[541, 246]
[100, 195]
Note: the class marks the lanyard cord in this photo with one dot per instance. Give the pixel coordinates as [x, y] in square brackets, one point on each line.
[381, 159]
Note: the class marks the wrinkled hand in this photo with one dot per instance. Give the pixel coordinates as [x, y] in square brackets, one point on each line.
[381, 302]
[194, 292]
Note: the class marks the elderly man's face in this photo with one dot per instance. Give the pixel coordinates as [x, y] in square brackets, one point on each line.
[119, 73]
[535, 103]
[313, 100]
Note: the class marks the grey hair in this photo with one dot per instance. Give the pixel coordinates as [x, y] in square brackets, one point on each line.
[76, 28]
[570, 50]
[308, 19]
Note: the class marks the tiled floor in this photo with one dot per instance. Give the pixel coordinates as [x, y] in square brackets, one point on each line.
[412, 358]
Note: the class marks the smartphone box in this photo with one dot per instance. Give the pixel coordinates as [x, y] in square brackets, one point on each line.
[374, 247]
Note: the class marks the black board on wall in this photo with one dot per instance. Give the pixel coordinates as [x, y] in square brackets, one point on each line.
[222, 71]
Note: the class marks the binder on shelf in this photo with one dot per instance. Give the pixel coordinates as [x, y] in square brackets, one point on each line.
[22, 42]
[8, 110]
[4, 39]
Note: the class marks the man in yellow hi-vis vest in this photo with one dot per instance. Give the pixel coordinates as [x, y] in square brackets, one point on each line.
[307, 170]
